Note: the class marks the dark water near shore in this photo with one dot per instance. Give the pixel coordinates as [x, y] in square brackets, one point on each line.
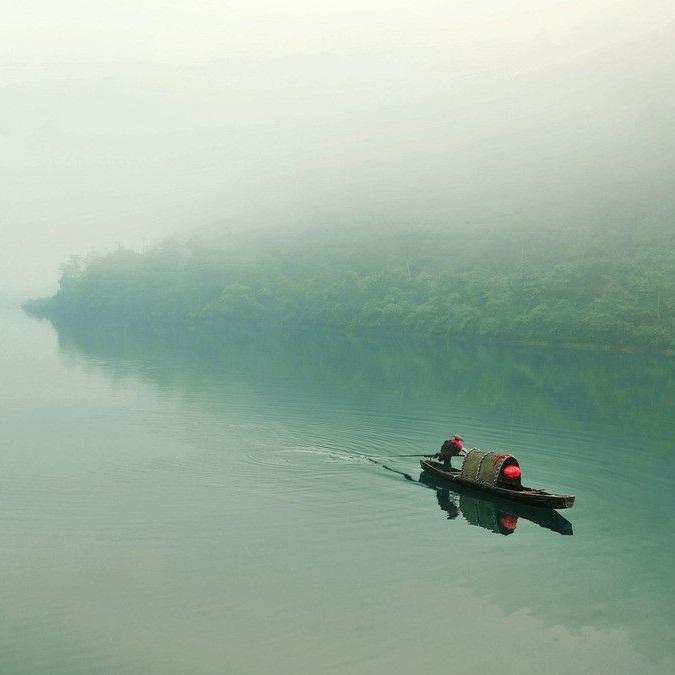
[202, 505]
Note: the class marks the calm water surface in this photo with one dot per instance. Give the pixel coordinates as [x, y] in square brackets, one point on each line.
[196, 505]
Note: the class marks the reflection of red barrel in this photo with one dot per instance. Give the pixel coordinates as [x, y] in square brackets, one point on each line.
[508, 521]
[511, 471]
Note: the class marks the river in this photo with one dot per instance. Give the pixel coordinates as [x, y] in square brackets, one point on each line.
[234, 504]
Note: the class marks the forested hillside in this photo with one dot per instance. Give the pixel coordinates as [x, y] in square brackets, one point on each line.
[606, 286]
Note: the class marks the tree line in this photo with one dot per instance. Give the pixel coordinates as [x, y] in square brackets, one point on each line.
[605, 287]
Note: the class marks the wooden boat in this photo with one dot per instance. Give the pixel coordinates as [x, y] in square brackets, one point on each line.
[518, 493]
[488, 510]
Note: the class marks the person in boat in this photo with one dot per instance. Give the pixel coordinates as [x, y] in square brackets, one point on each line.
[451, 448]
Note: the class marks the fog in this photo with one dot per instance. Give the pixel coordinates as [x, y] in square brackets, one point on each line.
[124, 122]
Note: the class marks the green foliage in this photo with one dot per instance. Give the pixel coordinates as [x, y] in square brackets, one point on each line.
[608, 287]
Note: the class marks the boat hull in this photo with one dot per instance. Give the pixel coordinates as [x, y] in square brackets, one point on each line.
[522, 496]
[475, 504]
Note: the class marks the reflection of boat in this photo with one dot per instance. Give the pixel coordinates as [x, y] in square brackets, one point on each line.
[490, 512]
[486, 471]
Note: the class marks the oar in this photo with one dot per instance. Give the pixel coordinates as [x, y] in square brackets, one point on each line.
[411, 456]
[407, 476]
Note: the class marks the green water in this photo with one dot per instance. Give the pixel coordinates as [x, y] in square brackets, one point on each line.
[193, 505]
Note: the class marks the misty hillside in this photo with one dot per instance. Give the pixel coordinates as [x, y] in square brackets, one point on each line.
[611, 286]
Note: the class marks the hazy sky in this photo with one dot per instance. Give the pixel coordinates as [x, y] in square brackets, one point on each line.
[123, 121]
